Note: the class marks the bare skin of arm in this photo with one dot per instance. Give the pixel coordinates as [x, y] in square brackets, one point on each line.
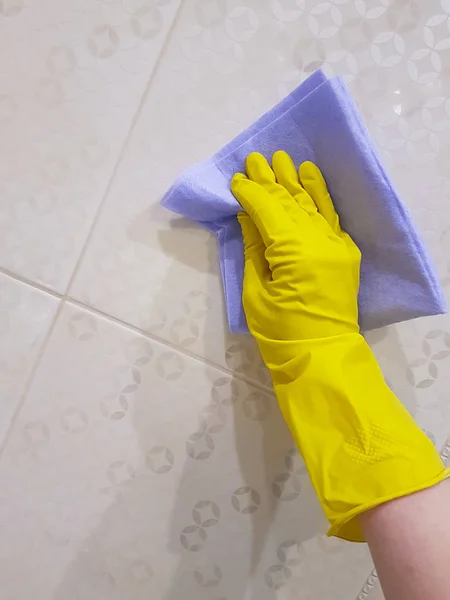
[409, 540]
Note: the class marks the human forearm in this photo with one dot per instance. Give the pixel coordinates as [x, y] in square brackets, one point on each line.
[409, 539]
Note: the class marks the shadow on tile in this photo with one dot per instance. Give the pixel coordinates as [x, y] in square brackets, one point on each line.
[391, 357]
[243, 501]
[182, 241]
[271, 477]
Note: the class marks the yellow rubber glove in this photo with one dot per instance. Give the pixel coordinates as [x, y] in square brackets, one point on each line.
[301, 280]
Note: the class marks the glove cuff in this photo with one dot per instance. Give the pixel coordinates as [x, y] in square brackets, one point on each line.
[360, 445]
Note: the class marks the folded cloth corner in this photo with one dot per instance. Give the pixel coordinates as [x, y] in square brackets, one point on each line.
[319, 122]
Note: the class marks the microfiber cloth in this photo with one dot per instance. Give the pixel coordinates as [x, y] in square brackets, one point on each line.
[319, 122]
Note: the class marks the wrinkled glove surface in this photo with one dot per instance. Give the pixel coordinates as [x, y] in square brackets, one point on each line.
[301, 281]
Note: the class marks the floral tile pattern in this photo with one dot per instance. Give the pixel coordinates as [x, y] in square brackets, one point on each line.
[72, 74]
[26, 315]
[142, 451]
[140, 472]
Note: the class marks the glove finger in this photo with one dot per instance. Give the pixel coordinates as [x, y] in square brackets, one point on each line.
[254, 248]
[292, 197]
[258, 169]
[287, 176]
[269, 217]
[276, 227]
[314, 183]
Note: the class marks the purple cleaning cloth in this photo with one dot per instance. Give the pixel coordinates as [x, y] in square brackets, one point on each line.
[319, 122]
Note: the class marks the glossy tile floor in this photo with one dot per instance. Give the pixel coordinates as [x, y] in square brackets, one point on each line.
[142, 452]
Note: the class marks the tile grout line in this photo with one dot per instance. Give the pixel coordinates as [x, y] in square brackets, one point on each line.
[29, 380]
[65, 298]
[68, 300]
[123, 149]
[96, 311]
[30, 283]
[168, 344]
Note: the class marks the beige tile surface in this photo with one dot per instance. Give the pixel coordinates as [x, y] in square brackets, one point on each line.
[225, 64]
[137, 472]
[25, 318]
[72, 73]
[377, 594]
[149, 459]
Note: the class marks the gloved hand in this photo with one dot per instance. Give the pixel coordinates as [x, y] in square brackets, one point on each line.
[301, 271]
[301, 280]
